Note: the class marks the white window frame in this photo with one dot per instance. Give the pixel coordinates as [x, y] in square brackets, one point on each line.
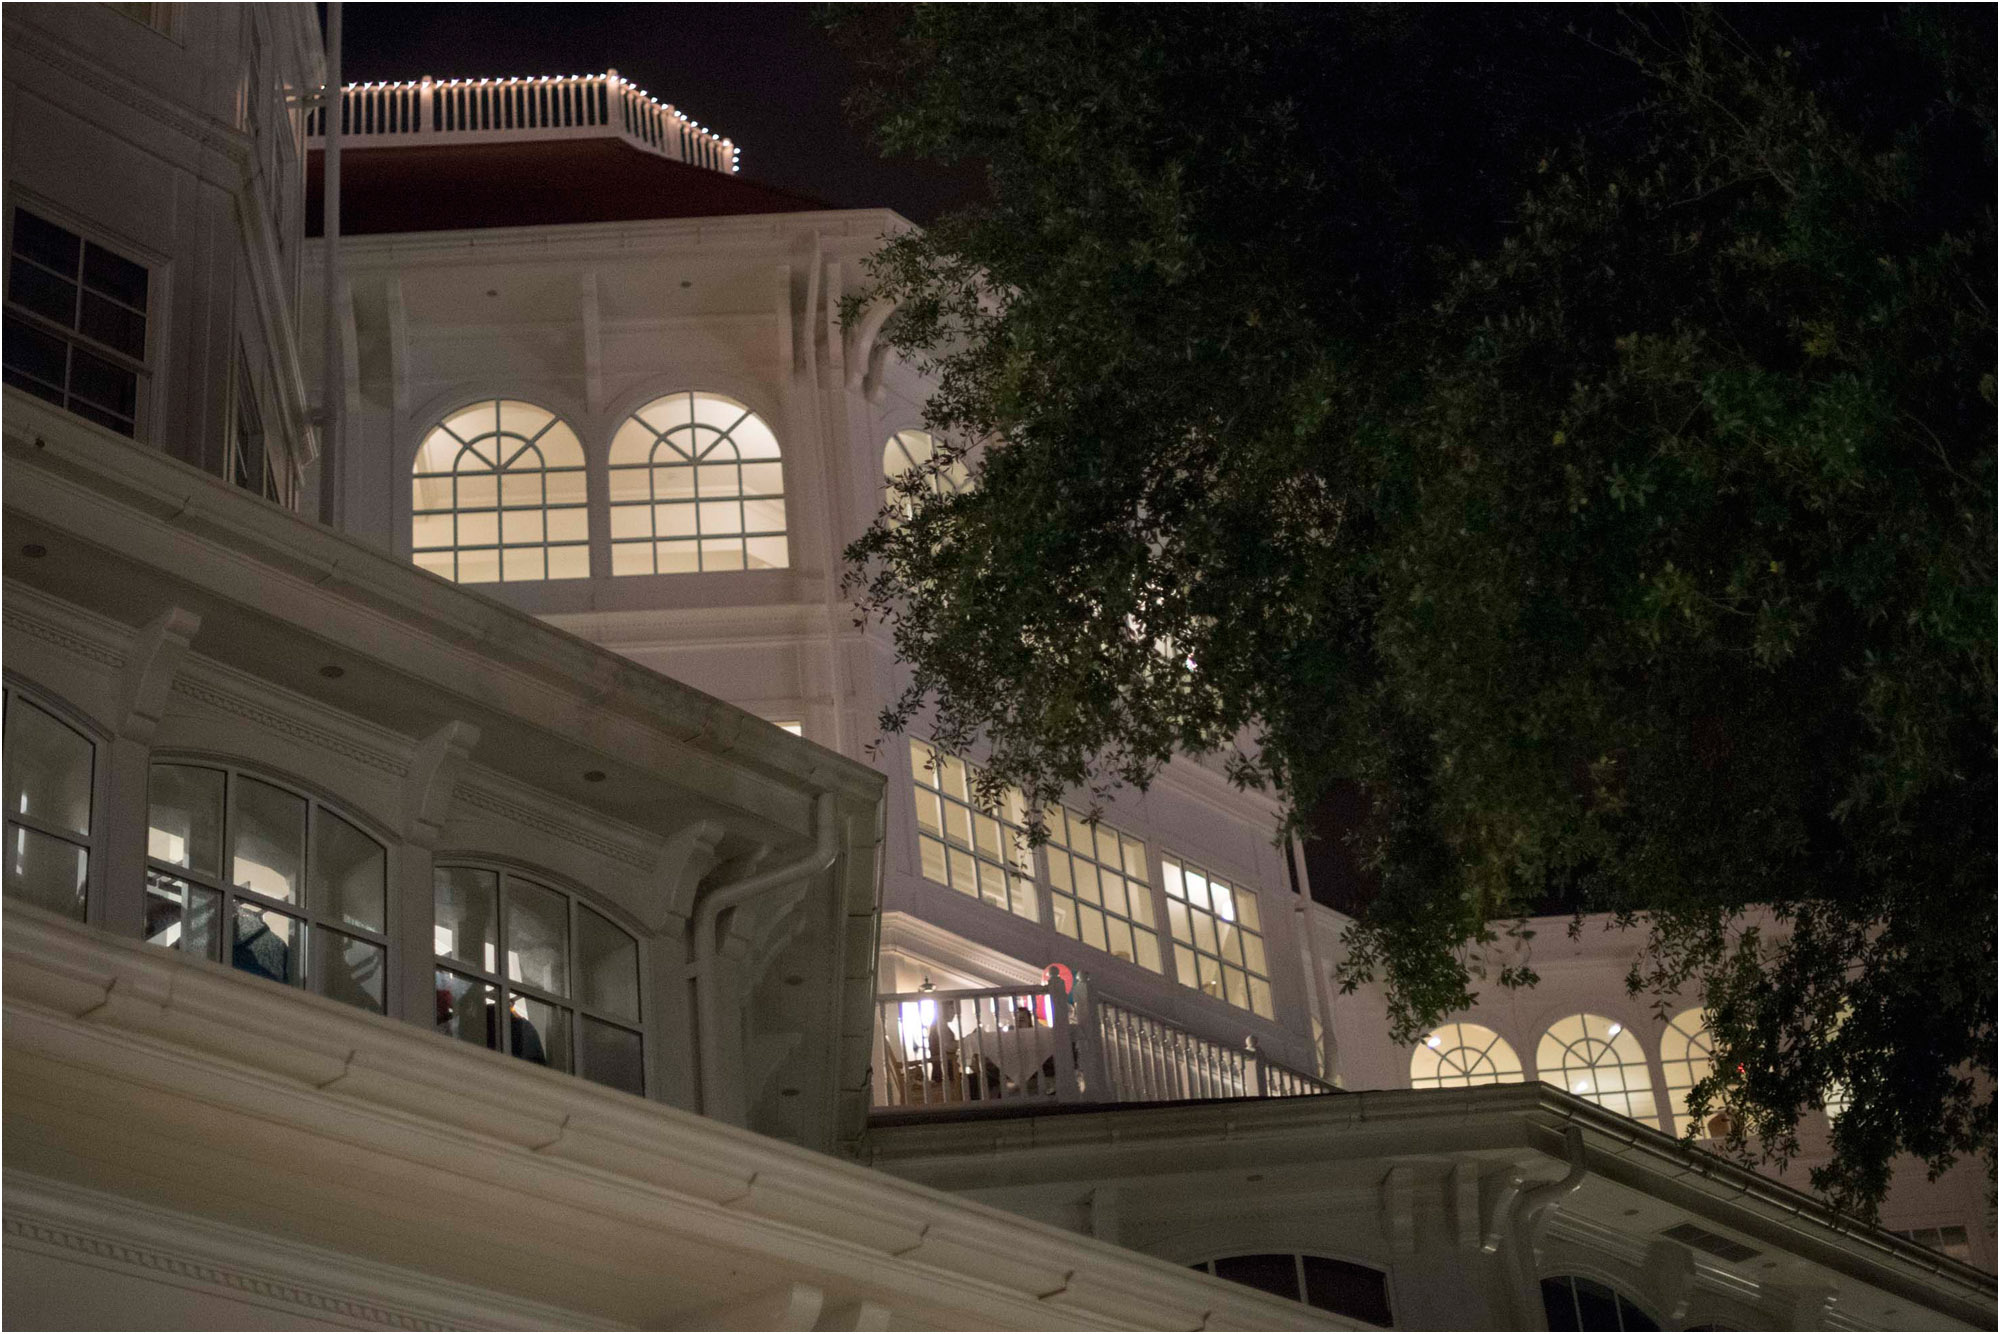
[12, 694]
[144, 367]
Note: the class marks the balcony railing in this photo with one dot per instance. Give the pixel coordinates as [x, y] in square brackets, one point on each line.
[571, 106]
[1019, 1045]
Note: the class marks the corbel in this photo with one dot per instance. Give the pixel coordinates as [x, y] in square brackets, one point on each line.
[792, 1306]
[1669, 1278]
[432, 779]
[150, 668]
[1399, 1210]
[690, 854]
[862, 362]
[350, 349]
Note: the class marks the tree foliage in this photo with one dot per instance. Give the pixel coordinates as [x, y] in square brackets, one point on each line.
[1584, 441]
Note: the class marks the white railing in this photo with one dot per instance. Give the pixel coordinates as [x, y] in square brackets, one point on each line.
[989, 1047]
[571, 106]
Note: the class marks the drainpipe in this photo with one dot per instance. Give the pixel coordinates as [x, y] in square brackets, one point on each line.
[335, 381]
[708, 1025]
[1528, 1206]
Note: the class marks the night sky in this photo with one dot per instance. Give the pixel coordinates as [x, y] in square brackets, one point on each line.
[767, 76]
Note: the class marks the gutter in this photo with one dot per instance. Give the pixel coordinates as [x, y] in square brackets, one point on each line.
[708, 1019]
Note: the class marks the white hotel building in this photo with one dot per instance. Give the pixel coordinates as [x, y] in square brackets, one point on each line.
[490, 908]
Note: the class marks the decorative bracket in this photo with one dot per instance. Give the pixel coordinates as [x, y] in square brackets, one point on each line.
[433, 777]
[150, 669]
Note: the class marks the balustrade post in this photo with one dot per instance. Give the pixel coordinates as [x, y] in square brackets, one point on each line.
[614, 101]
[1066, 1090]
[426, 98]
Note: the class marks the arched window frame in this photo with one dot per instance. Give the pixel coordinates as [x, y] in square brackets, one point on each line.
[26, 828]
[1687, 1056]
[697, 484]
[200, 907]
[552, 1009]
[1463, 1055]
[499, 493]
[908, 451]
[1563, 1307]
[1599, 1059]
[1305, 1289]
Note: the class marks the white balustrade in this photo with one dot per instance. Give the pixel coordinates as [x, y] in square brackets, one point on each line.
[583, 106]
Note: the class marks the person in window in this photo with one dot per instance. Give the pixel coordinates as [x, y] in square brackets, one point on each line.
[258, 949]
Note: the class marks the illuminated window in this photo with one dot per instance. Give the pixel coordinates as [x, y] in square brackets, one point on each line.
[565, 975]
[1596, 1058]
[1218, 937]
[1101, 892]
[696, 485]
[978, 854]
[499, 495]
[908, 451]
[1687, 1056]
[76, 324]
[49, 771]
[796, 729]
[249, 873]
[1462, 1056]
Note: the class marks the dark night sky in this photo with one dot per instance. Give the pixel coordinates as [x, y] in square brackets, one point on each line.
[767, 76]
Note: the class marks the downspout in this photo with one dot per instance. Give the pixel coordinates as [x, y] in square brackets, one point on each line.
[708, 1035]
[1529, 1205]
[334, 385]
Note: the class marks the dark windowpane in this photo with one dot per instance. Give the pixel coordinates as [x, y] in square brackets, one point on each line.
[1277, 1274]
[103, 385]
[1559, 1304]
[122, 425]
[42, 292]
[115, 277]
[1347, 1289]
[1631, 1317]
[613, 1056]
[34, 386]
[114, 326]
[45, 242]
[468, 1009]
[40, 355]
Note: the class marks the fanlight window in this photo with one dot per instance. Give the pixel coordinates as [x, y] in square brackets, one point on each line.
[1462, 1056]
[498, 493]
[1573, 1302]
[908, 451]
[1597, 1058]
[696, 484]
[1687, 1056]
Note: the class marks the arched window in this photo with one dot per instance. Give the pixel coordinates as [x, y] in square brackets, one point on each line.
[49, 769]
[909, 450]
[1687, 1056]
[1596, 1058]
[498, 493]
[1578, 1303]
[1339, 1286]
[1461, 1056]
[696, 485]
[243, 871]
[564, 974]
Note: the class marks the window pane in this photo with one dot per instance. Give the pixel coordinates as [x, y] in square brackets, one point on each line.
[99, 382]
[607, 962]
[46, 871]
[348, 969]
[349, 872]
[43, 358]
[613, 1056]
[269, 944]
[1260, 997]
[1149, 949]
[467, 927]
[537, 1031]
[537, 936]
[933, 858]
[182, 916]
[767, 553]
[1276, 1274]
[44, 242]
[114, 276]
[42, 292]
[114, 326]
[569, 562]
[466, 1008]
[268, 850]
[48, 769]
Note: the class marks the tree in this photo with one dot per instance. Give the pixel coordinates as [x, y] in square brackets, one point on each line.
[1582, 441]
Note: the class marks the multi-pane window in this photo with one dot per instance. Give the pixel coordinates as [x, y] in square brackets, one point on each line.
[1572, 1302]
[696, 485]
[75, 323]
[251, 464]
[1218, 937]
[1952, 1240]
[977, 852]
[1339, 1286]
[1099, 889]
[1687, 1056]
[499, 495]
[1597, 1058]
[1462, 1056]
[529, 970]
[246, 872]
[908, 451]
[49, 768]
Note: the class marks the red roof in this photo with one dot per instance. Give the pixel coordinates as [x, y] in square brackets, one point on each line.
[449, 186]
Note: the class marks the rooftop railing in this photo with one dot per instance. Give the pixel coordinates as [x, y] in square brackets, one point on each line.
[569, 106]
[1021, 1045]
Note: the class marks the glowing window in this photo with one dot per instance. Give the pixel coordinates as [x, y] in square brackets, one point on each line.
[254, 875]
[696, 484]
[49, 777]
[910, 451]
[498, 494]
[1462, 1056]
[1687, 1056]
[565, 975]
[1102, 894]
[1596, 1058]
[980, 854]
[1218, 937]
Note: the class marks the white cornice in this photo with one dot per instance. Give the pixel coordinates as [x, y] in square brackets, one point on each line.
[603, 241]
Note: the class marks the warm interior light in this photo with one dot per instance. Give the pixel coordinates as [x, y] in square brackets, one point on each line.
[1433, 1042]
[1616, 1029]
